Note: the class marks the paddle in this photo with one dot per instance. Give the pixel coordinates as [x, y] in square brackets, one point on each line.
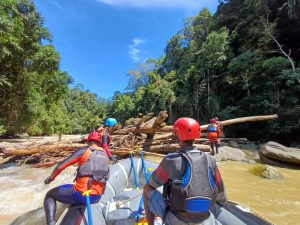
[88, 204]
[144, 164]
[134, 171]
[147, 176]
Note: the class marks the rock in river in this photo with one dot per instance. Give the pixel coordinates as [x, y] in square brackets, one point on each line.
[279, 153]
[265, 171]
[233, 154]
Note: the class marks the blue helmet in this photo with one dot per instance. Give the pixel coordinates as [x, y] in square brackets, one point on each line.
[110, 122]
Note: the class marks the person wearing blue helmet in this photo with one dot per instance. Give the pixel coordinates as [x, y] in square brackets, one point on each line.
[106, 137]
[110, 122]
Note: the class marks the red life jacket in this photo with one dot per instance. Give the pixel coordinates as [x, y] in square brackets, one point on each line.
[103, 132]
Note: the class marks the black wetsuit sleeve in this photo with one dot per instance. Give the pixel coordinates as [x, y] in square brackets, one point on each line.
[72, 159]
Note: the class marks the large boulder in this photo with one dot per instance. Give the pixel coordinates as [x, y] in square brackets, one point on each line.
[279, 153]
[233, 144]
[265, 171]
[229, 153]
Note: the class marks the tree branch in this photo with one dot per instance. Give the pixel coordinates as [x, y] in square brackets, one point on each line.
[267, 29]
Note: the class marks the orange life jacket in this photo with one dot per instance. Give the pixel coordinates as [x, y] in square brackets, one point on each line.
[81, 184]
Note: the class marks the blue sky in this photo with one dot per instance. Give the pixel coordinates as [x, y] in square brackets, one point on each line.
[100, 40]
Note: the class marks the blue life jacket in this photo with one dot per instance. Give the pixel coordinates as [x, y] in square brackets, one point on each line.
[193, 196]
[212, 128]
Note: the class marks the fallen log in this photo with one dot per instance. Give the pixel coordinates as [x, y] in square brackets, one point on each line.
[162, 116]
[245, 119]
[144, 119]
[126, 130]
[44, 153]
[47, 164]
[162, 137]
[169, 129]
[152, 143]
[149, 127]
[42, 148]
[38, 141]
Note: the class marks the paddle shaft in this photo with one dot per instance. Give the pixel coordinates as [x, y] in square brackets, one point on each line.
[134, 171]
[88, 204]
[140, 209]
[144, 166]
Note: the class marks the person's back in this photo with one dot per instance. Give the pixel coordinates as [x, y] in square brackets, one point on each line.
[192, 184]
[106, 138]
[83, 181]
[191, 191]
[214, 133]
[92, 173]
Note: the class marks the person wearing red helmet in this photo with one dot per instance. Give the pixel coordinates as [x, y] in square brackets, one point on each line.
[92, 173]
[191, 182]
[220, 125]
[214, 134]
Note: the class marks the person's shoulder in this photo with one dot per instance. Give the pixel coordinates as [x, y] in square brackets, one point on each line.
[173, 157]
[82, 149]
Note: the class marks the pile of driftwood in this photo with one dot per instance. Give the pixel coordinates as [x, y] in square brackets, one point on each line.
[149, 132]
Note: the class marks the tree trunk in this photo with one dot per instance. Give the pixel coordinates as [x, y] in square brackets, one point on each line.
[42, 148]
[169, 129]
[162, 116]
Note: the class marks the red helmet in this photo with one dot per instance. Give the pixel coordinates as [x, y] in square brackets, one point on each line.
[213, 120]
[187, 129]
[94, 136]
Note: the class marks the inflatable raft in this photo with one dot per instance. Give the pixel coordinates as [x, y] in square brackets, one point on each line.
[120, 202]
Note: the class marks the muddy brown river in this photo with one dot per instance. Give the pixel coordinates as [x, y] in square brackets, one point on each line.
[22, 189]
[277, 200]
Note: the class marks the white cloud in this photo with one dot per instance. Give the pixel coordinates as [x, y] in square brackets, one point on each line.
[155, 3]
[58, 5]
[134, 50]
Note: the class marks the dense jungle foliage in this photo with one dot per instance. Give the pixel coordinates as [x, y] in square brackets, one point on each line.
[243, 60]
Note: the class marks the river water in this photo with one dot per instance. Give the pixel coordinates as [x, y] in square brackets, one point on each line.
[22, 189]
[278, 200]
